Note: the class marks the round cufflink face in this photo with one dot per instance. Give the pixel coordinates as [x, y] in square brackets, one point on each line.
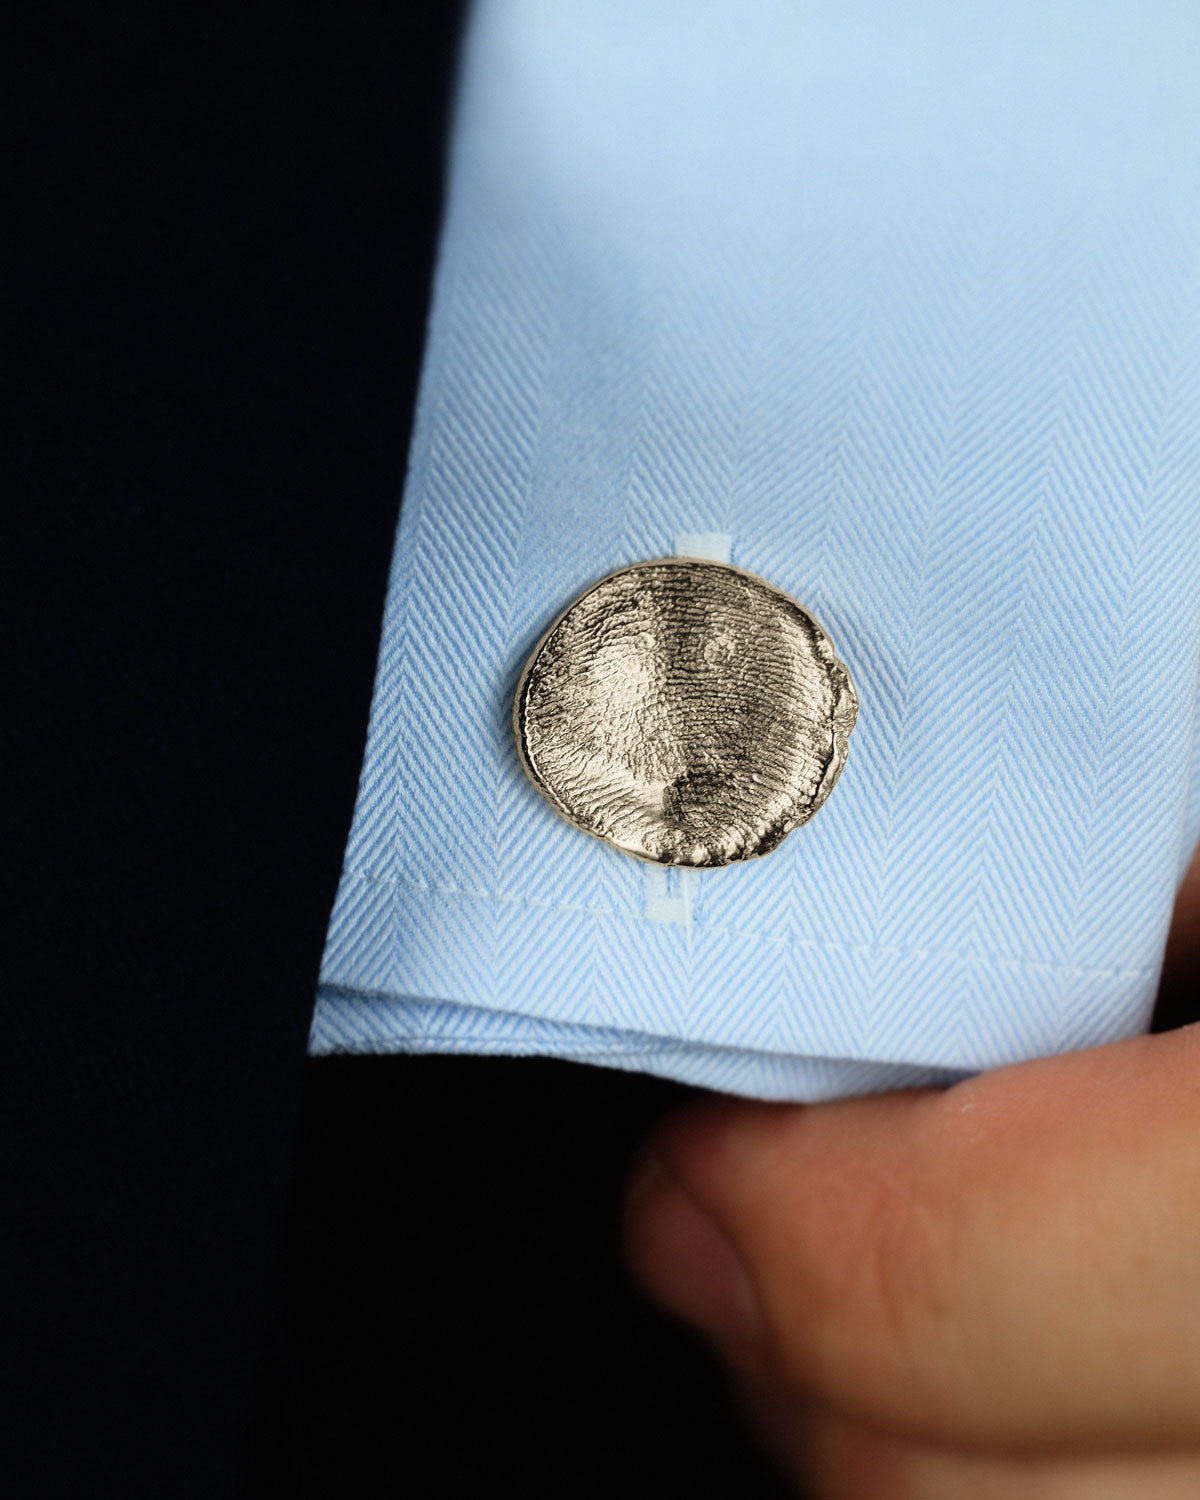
[685, 712]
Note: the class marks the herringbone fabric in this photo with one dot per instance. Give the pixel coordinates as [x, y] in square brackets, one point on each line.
[904, 299]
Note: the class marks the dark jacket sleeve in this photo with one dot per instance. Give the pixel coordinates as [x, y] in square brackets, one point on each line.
[225, 224]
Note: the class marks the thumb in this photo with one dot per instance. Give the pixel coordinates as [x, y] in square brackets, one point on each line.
[1009, 1263]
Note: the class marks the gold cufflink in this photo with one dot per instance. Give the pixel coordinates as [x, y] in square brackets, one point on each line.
[685, 712]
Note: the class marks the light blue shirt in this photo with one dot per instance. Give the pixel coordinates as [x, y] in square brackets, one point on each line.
[897, 305]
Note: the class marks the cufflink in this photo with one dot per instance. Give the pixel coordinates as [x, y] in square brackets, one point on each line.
[685, 712]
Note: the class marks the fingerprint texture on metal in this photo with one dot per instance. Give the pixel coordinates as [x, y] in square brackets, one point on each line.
[686, 712]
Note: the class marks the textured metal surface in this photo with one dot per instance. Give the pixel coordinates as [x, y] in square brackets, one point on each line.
[686, 712]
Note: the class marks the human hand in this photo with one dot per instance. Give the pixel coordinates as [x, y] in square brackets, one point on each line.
[989, 1292]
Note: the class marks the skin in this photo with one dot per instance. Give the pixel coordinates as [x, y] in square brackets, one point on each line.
[990, 1291]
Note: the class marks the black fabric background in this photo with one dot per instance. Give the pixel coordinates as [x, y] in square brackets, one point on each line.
[227, 1270]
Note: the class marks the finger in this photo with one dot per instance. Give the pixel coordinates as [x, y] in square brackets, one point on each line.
[917, 1255]
[1011, 1262]
[838, 1460]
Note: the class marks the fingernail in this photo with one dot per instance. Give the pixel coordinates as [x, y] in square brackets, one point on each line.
[686, 1262]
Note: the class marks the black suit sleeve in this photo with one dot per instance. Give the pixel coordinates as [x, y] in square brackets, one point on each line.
[225, 223]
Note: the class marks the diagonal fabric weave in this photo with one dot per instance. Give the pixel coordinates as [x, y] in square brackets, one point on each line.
[902, 301]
